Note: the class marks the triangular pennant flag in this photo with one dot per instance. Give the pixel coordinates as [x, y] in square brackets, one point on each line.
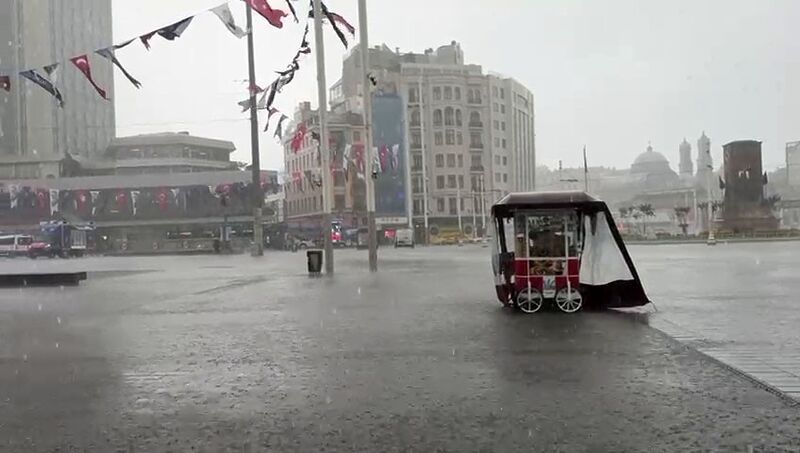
[52, 72]
[174, 31]
[279, 127]
[223, 11]
[42, 81]
[335, 19]
[124, 44]
[108, 54]
[291, 8]
[343, 21]
[272, 90]
[245, 105]
[5, 83]
[273, 16]
[262, 101]
[145, 39]
[82, 63]
[272, 111]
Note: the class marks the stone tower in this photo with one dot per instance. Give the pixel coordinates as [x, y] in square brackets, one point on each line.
[685, 166]
[705, 164]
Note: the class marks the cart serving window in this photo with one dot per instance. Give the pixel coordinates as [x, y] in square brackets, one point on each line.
[564, 247]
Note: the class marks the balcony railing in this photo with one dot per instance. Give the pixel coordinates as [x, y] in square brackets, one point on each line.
[474, 145]
[476, 124]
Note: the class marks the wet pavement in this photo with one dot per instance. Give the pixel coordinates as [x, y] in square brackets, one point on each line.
[234, 354]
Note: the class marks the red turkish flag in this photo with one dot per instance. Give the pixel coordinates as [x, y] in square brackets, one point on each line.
[82, 63]
[273, 16]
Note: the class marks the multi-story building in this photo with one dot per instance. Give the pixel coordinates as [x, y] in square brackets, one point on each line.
[474, 131]
[304, 204]
[36, 33]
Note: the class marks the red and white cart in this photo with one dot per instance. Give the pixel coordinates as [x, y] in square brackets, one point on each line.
[561, 247]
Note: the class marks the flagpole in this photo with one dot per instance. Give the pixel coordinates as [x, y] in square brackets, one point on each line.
[424, 159]
[257, 194]
[367, 96]
[327, 190]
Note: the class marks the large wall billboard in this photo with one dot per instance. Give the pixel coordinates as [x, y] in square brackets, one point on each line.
[388, 136]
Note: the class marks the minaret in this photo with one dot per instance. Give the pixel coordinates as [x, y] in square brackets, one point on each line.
[704, 161]
[685, 166]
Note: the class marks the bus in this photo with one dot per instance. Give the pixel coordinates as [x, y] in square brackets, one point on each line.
[15, 245]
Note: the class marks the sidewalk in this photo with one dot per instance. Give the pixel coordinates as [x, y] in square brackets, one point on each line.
[257, 357]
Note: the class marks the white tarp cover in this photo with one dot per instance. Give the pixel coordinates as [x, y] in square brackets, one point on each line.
[601, 261]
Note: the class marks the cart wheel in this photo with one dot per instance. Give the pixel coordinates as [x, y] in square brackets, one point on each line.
[529, 300]
[569, 300]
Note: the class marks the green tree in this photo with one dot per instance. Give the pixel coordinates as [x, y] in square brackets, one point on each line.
[646, 210]
[682, 214]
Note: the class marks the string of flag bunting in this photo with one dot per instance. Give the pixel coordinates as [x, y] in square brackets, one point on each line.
[46, 77]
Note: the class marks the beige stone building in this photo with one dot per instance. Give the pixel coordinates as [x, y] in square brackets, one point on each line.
[475, 131]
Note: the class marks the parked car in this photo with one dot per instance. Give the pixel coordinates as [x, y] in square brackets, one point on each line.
[404, 237]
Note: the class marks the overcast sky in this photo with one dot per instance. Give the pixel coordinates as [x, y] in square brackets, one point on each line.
[612, 75]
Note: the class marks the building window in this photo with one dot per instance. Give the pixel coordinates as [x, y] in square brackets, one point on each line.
[475, 119]
[437, 93]
[504, 143]
[462, 204]
[460, 180]
[505, 160]
[440, 204]
[449, 117]
[497, 142]
[437, 138]
[476, 161]
[440, 182]
[459, 138]
[505, 177]
[502, 108]
[502, 93]
[418, 207]
[413, 94]
[473, 181]
[416, 184]
[417, 165]
[450, 137]
[448, 93]
[451, 203]
[451, 181]
[503, 126]
[415, 118]
[440, 161]
[451, 160]
[460, 161]
[475, 140]
[356, 136]
[458, 93]
[497, 177]
[458, 117]
[416, 139]
[437, 117]
[494, 91]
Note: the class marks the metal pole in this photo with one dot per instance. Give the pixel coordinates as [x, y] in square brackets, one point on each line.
[711, 239]
[474, 218]
[483, 206]
[327, 189]
[367, 96]
[257, 194]
[424, 160]
[458, 210]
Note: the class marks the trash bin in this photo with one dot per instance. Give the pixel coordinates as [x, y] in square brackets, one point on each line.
[314, 261]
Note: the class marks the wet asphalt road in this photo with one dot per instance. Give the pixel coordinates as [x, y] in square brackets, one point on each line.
[235, 354]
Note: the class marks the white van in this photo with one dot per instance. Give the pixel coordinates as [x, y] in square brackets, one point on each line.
[15, 245]
[404, 237]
